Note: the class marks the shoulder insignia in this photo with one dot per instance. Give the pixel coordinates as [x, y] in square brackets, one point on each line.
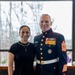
[63, 46]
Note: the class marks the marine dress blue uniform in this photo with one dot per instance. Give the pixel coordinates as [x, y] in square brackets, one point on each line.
[50, 53]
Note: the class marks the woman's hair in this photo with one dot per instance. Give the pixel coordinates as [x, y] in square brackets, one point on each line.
[24, 26]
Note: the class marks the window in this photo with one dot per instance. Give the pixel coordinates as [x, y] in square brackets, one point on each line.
[13, 14]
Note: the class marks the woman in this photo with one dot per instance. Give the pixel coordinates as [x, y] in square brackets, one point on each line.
[22, 53]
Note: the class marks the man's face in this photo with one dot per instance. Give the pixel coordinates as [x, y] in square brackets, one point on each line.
[45, 23]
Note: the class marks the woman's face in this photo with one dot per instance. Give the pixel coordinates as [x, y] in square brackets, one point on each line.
[24, 33]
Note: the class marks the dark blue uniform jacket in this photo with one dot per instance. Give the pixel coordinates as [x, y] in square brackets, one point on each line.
[50, 46]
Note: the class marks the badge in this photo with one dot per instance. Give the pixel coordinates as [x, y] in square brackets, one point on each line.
[63, 46]
[36, 43]
[50, 41]
[49, 51]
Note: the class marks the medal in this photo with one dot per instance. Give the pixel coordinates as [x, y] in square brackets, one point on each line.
[49, 51]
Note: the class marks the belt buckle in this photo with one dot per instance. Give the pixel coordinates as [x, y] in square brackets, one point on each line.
[42, 62]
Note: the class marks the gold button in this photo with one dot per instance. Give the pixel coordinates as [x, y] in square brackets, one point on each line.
[40, 48]
[41, 57]
[43, 36]
[42, 62]
[46, 33]
[41, 53]
[41, 39]
[54, 67]
[41, 44]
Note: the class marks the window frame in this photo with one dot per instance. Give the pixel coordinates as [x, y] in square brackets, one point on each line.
[73, 28]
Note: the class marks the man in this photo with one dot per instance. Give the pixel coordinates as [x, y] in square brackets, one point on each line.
[50, 50]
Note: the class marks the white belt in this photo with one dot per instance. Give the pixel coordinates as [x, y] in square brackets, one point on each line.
[48, 61]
